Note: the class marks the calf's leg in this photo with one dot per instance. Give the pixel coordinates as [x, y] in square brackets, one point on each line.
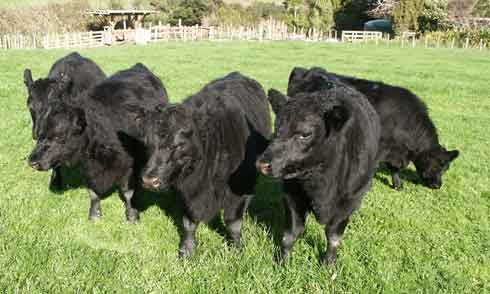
[233, 216]
[95, 212]
[127, 192]
[334, 232]
[395, 177]
[188, 242]
[397, 182]
[296, 213]
[132, 214]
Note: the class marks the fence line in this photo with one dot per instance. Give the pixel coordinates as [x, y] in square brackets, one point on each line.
[74, 40]
[359, 36]
[273, 31]
[427, 43]
[268, 30]
[20, 41]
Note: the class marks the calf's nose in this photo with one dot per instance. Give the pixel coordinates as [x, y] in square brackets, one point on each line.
[264, 167]
[34, 164]
[151, 182]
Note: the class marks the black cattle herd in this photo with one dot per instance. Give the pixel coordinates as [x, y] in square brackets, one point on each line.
[331, 131]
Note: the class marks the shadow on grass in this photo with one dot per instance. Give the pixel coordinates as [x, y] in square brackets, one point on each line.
[71, 178]
[267, 209]
[383, 175]
[168, 201]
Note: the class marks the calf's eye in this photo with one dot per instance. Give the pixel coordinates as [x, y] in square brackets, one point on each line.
[305, 136]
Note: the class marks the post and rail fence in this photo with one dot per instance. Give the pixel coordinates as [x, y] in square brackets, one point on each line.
[360, 36]
[265, 31]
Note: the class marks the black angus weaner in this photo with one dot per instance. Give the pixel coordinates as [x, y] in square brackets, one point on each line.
[101, 132]
[407, 133]
[324, 151]
[206, 148]
[67, 78]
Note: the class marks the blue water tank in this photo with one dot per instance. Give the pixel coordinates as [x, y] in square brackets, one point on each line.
[380, 25]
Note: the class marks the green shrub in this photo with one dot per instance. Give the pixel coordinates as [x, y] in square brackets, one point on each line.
[435, 16]
[460, 35]
[352, 14]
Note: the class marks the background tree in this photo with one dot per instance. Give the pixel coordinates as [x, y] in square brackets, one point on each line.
[435, 16]
[190, 12]
[382, 8]
[352, 14]
[461, 9]
[481, 8]
[296, 13]
[406, 14]
[321, 14]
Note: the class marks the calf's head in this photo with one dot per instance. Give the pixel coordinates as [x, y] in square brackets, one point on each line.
[60, 137]
[304, 124]
[303, 80]
[40, 92]
[172, 143]
[433, 164]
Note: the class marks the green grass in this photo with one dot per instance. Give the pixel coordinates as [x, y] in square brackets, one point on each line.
[414, 241]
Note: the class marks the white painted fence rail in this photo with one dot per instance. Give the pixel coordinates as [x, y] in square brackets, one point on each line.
[360, 36]
[268, 30]
[74, 40]
[20, 41]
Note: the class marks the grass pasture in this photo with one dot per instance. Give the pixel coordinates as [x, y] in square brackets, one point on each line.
[414, 241]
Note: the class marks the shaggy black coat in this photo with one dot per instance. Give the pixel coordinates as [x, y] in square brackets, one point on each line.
[408, 133]
[67, 78]
[324, 150]
[100, 132]
[206, 148]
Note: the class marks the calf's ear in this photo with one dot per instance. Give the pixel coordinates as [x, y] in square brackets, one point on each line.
[28, 78]
[453, 154]
[336, 117]
[277, 100]
[296, 79]
[297, 73]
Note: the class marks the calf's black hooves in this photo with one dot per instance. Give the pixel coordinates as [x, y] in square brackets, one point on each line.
[282, 257]
[186, 249]
[94, 217]
[185, 253]
[329, 259]
[236, 242]
[94, 213]
[397, 187]
[133, 216]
